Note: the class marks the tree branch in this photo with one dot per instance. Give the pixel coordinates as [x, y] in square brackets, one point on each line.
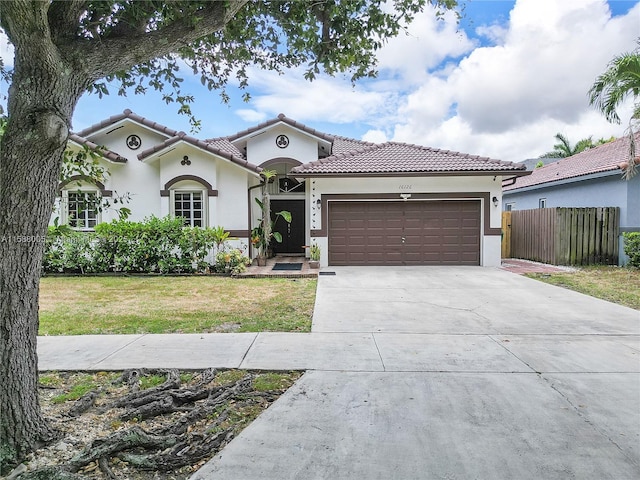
[64, 16]
[106, 56]
[24, 20]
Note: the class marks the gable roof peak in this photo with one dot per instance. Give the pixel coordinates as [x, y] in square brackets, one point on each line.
[128, 114]
[284, 119]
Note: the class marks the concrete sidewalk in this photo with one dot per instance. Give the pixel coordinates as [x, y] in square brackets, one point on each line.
[355, 352]
[421, 373]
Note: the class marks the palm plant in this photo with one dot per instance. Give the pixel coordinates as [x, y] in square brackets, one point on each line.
[563, 148]
[262, 234]
[619, 81]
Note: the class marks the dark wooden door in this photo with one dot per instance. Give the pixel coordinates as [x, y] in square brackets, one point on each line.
[292, 233]
[404, 233]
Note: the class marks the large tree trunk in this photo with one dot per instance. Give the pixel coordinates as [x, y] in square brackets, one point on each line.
[30, 160]
[53, 66]
[41, 101]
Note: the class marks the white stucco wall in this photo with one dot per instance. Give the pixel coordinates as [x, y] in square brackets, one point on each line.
[490, 255]
[262, 147]
[231, 202]
[144, 180]
[140, 180]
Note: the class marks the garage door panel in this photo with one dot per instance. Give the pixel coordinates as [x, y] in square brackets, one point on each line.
[434, 232]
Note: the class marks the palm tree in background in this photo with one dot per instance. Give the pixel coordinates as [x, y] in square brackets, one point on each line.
[563, 148]
[618, 82]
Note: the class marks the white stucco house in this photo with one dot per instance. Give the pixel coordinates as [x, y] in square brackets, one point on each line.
[362, 203]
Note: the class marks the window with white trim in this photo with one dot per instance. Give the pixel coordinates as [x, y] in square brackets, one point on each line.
[81, 209]
[542, 203]
[508, 206]
[190, 205]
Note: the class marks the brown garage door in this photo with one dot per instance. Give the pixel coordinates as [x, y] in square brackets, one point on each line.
[404, 233]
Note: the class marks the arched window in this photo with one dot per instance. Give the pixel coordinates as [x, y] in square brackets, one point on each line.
[189, 199]
[284, 182]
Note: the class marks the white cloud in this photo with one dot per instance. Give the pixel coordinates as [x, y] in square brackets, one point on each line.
[404, 63]
[375, 136]
[252, 116]
[6, 51]
[326, 99]
[508, 100]
[425, 45]
[495, 33]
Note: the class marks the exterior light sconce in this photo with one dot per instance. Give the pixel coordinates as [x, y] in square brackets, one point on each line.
[318, 204]
[405, 196]
[495, 201]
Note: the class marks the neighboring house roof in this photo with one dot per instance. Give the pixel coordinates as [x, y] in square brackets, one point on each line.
[531, 163]
[128, 114]
[224, 152]
[106, 153]
[401, 158]
[603, 158]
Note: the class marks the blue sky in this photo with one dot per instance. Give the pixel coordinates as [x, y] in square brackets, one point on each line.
[501, 83]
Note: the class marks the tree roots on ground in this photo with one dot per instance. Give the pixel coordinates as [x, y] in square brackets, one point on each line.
[161, 429]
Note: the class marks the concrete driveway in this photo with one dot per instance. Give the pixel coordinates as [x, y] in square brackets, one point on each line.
[449, 373]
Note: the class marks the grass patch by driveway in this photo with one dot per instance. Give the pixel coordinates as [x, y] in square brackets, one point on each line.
[119, 305]
[615, 284]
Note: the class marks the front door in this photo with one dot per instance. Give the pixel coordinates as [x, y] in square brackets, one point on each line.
[292, 233]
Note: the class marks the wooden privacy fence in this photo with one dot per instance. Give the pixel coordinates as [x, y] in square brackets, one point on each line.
[562, 236]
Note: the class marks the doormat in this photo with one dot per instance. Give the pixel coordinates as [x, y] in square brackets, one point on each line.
[287, 266]
[326, 273]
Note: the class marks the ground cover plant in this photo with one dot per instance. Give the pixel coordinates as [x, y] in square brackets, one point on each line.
[614, 284]
[142, 424]
[190, 304]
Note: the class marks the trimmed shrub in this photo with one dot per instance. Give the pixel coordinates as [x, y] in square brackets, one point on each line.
[149, 246]
[70, 252]
[632, 247]
[155, 245]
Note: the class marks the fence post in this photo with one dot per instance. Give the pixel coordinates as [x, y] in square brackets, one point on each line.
[506, 234]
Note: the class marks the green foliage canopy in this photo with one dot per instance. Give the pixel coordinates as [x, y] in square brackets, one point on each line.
[620, 81]
[325, 35]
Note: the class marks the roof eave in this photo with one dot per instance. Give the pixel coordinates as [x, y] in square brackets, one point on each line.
[564, 181]
[467, 173]
[120, 119]
[108, 155]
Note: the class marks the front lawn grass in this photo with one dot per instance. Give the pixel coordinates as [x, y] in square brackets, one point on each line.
[615, 284]
[120, 305]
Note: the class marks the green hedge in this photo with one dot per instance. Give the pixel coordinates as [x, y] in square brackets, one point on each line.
[632, 247]
[155, 245]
